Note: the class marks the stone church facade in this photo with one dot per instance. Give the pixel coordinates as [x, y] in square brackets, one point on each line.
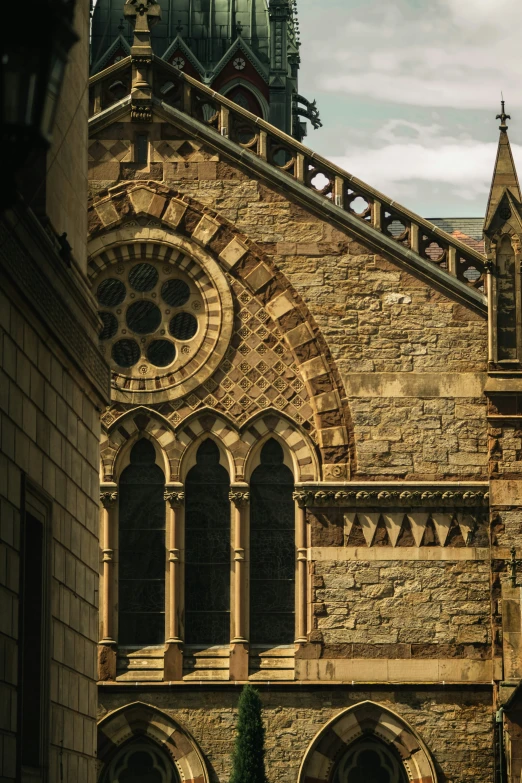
[310, 464]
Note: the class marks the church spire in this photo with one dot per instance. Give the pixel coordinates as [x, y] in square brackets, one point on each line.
[505, 174]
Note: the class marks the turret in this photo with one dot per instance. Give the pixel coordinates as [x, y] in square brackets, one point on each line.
[502, 233]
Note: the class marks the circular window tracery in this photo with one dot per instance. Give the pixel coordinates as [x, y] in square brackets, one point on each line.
[143, 277]
[143, 317]
[183, 326]
[174, 352]
[111, 292]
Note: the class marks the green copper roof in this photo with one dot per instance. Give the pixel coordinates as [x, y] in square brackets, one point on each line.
[208, 26]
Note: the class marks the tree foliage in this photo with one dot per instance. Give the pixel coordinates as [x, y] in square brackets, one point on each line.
[248, 760]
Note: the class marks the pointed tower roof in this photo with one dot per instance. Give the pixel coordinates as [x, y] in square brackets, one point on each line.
[504, 174]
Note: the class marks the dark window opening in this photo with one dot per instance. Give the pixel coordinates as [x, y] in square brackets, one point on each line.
[142, 148]
[207, 549]
[370, 760]
[32, 718]
[141, 601]
[272, 549]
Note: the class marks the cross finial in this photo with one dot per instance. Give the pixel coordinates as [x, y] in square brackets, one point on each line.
[239, 28]
[121, 26]
[503, 116]
[179, 28]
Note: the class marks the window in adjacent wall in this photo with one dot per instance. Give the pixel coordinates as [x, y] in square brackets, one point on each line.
[33, 705]
[141, 600]
[272, 549]
[207, 549]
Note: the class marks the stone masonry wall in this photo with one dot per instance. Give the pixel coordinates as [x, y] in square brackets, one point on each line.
[50, 432]
[454, 724]
[399, 609]
[375, 317]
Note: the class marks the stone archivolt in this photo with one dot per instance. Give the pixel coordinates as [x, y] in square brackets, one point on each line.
[142, 721]
[275, 359]
[239, 443]
[366, 719]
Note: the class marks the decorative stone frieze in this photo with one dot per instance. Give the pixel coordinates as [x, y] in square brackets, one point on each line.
[385, 496]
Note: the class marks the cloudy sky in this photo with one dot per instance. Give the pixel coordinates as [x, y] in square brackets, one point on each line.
[408, 91]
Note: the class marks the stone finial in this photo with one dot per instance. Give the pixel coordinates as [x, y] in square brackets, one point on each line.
[503, 117]
[143, 16]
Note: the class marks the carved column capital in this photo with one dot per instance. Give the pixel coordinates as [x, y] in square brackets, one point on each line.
[108, 498]
[239, 497]
[175, 498]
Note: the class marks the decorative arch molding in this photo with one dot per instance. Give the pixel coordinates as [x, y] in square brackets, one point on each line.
[239, 443]
[155, 216]
[366, 719]
[139, 721]
[125, 430]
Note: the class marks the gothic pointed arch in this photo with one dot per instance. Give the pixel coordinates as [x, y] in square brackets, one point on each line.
[124, 430]
[362, 722]
[274, 355]
[137, 722]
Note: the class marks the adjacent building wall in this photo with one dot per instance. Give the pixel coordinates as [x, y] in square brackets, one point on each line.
[53, 383]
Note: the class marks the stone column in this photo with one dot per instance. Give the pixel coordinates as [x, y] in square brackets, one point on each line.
[240, 498]
[302, 570]
[107, 644]
[175, 499]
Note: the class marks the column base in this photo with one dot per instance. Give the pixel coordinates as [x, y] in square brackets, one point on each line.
[239, 660]
[107, 654]
[173, 661]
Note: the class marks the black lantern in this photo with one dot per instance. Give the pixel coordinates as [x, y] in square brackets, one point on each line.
[32, 63]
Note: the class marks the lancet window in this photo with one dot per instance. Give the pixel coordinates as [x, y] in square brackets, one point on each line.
[272, 549]
[507, 303]
[141, 615]
[207, 549]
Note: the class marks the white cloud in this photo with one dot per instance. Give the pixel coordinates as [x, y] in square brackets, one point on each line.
[449, 53]
[402, 164]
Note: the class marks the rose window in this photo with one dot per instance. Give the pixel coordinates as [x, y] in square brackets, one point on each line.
[166, 318]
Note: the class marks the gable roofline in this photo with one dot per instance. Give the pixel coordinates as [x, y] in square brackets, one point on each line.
[179, 43]
[119, 43]
[333, 201]
[239, 45]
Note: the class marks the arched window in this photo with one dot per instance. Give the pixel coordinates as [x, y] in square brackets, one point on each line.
[272, 549]
[207, 549]
[369, 760]
[141, 600]
[140, 762]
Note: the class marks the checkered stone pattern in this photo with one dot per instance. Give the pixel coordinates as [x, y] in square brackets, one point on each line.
[173, 150]
[258, 372]
[109, 150]
[364, 720]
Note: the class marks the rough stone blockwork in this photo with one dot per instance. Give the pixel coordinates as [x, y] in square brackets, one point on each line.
[456, 727]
